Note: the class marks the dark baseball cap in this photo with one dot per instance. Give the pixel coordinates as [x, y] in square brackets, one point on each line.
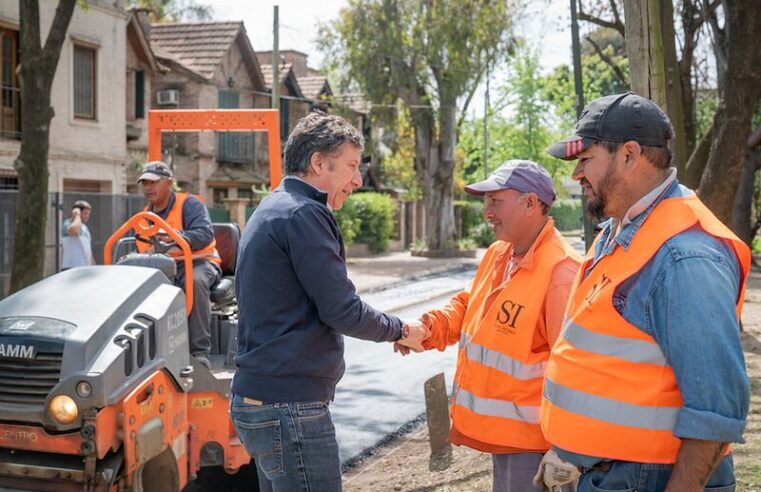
[155, 170]
[616, 118]
[520, 175]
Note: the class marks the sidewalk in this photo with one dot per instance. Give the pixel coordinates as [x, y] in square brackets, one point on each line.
[375, 272]
[402, 464]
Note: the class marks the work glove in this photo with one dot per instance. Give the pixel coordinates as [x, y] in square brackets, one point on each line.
[553, 473]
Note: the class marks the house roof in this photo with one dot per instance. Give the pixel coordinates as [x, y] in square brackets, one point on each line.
[285, 68]
[355, 102]
[202, 46]
[286, 77]
[139, 40]
[314, 87]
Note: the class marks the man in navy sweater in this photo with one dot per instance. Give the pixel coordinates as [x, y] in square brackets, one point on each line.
[296, 303]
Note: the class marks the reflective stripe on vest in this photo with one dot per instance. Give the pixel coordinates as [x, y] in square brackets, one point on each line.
[497, 408]
[499, 371]
[501, 362]
[622, 348]
[611, 411]
[609, 391]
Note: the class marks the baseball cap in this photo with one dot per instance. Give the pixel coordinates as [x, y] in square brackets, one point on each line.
[81, 204]
[520, 175]
[616, 118]
[155, 170]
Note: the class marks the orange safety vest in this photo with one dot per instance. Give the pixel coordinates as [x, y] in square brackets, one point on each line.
[498, 382]
[609, 391]
[174, 219]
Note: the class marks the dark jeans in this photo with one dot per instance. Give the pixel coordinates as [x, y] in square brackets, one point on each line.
[515, 472]
[293, 444]
[625, 476]
[205, 274]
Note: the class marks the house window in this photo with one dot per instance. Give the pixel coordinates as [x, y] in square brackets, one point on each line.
[85, 83]
[139, 94]
[10, 116]
[234, 147]
[8, 183]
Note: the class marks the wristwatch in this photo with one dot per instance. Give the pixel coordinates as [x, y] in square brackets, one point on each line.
[405, 332]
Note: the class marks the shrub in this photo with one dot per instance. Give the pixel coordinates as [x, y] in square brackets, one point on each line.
[348, 221]
[374, 217]
[482, 234]
[471, 213]
[567, 214]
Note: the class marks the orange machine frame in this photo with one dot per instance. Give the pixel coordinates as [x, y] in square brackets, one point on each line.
[193, 120]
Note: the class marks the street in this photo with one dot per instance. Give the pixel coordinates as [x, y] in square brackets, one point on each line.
[381, 390]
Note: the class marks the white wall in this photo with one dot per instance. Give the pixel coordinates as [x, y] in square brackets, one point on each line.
[84, 149]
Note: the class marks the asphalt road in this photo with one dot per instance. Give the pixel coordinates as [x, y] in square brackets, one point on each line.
[382, 390]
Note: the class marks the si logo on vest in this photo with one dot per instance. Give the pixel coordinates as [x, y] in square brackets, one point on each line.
[507, 317]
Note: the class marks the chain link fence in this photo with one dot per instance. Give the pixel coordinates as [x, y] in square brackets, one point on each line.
[108, 213]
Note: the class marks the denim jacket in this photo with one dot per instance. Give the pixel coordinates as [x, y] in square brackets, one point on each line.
[685, 299]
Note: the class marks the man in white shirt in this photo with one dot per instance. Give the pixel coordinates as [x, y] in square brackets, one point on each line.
[77, 240]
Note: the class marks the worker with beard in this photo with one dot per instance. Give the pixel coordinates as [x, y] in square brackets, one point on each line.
[646, 385]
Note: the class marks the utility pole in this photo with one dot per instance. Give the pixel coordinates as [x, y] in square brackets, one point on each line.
[486, 124]
[589, 231]
[276, 60]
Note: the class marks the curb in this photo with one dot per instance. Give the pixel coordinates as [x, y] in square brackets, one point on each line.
[433, 272]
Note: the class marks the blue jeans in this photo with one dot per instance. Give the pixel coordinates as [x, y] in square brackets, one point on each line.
[293, 444]
[624, 476]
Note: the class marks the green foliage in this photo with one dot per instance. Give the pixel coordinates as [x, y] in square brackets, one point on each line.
[348, 220]
[567, 214]
[392, 50]
[173, 10]
[525, 134]
[756, 246]
[471, 213]
[398, 168]
[706, 103]
[429, 55]
[418, 245]
[482, 234]
[599, 80]
[367, 218]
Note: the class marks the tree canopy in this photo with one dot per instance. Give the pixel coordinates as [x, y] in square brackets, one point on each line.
[431, 55]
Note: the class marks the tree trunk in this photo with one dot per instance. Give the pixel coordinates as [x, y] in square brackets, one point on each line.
[652, 58]
[440, 222]
[743, 206]
[434, 164]
[698, 160]
[38, 67]
[739, 98]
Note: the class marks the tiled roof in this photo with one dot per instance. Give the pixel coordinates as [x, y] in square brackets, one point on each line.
[355, 102]
[313, 87]
[198, 46]
[267, 72]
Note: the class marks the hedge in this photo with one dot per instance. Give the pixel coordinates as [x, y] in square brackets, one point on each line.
[368, 218]
[567, 214]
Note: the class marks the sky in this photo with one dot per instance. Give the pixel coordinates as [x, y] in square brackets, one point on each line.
[544, 25]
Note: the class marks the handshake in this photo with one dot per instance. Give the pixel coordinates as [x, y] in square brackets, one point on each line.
[415, 332]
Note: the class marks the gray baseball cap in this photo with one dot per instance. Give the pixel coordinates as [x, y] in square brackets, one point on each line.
[154, 171]
[520, 175]
[616, 118]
